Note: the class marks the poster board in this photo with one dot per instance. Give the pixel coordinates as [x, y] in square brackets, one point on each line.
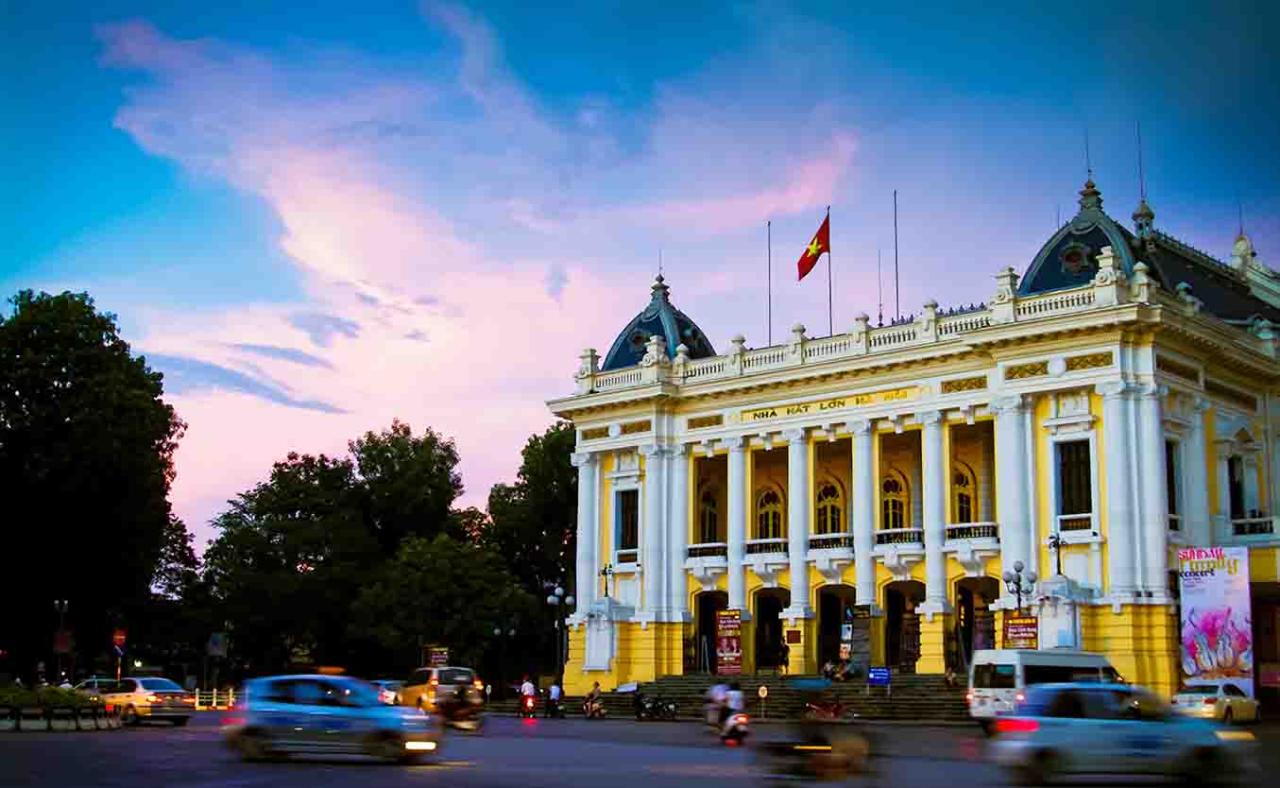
[728, 642]
[1217, 626]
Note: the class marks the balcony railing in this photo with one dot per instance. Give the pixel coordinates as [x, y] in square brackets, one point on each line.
[841, 541]
[900, 536]
[627, 556]
[709, 550]
[1252, 526]
[973, 531]
[762, 546]
[1075, 522]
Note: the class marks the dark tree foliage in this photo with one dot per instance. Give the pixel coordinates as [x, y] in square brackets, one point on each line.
[409, 482]
[86, 450]
[534, 521]
[439, 591]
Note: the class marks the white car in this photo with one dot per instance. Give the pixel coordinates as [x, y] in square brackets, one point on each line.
[1224, 702]
[149, 697]
[999, 678]
[1093, 728]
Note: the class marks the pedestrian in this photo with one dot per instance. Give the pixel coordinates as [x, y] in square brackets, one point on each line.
[785, 660]
[553, 700]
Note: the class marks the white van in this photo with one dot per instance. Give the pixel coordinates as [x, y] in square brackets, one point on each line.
[998, 677]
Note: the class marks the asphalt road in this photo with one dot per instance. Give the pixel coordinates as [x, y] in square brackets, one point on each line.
[510, 753]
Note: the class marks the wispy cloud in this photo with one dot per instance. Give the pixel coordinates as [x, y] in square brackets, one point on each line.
[188, 375]
[284, 353]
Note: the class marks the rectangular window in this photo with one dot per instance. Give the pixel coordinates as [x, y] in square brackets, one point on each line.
[1235, 470]
[1172, 479]
[1075, 486]
[628, 522]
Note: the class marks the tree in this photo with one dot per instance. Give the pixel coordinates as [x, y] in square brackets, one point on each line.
[86, 460]
[410, 483]
[291, 555]
[439, 591]
[534, 521]
[178, 568]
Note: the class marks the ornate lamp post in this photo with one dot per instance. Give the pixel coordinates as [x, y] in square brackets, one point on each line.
[559, 603]
[1018, 584]
[607, 573]
[1055, 544]
[497, 635]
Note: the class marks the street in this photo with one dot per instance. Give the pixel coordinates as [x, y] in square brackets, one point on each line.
[511, 752]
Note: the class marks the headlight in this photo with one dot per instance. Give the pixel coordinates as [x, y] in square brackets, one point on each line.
[1225, 735]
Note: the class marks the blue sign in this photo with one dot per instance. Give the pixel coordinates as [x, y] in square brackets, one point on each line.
[878, 677]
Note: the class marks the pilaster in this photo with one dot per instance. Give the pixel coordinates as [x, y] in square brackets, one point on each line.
[737, 543]
[798, 474]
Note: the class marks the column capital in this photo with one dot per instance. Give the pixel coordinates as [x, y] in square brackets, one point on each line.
[735, 443]
[679, 449]
[796, 435]
[1113, 389]
[1200, 404]
[929, 417]
[653, 450]
[859, 426]
[583, 458]
[1151, 390]
[1007, 403]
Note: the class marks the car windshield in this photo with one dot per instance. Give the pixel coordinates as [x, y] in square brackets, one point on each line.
[455, 676]
[160, 685]
[354, 693]
[993, 676]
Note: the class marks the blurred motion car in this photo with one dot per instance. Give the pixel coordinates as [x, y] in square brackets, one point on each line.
[388, 690]
[1222, 701]
[999, 678]
[148, 697]
[426, 686]
[1092, 728]
[326, 715]
[93, 686]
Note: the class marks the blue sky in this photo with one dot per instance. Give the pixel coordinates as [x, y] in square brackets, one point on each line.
[316, 217]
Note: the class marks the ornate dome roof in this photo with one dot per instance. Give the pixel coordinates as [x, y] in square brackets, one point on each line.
[662, 318]
[1070, 257]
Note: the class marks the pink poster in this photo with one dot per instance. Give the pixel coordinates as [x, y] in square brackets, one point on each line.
[1217, 634]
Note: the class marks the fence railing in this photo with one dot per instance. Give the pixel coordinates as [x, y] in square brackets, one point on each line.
[708, 550]
[973, 531]
[1252, 526]
[762, 546]
[207, 700]
[900, 536]
[831, 541]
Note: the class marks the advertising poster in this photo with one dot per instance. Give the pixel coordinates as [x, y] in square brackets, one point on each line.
[728, 642]
[437, 656]
[1021, 631]
[1217, 633]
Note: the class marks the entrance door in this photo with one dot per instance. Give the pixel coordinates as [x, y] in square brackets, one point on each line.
[835, 610]
[769, 606]
[902, 627]
[708, 602]
[975, 624]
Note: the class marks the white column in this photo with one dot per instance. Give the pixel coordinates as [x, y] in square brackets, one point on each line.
[798, 502]
[678, 532]
[933, 492]
[1155, 498]
[1222, 467]
[864, 511]
[1121, 521]
[651, 558]
[1194, 484]
[737, 550]
[584, 581]
[1011, 481]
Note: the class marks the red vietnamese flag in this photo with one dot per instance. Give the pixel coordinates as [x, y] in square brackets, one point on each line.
[821, 244]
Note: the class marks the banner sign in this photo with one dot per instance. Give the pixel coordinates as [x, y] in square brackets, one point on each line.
[1021, 631]
[437, 656]
[834, 403]
[217, 645]
[879, 677]
[1217, 631]
[728, 642]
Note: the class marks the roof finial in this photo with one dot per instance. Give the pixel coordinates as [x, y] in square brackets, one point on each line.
[1142, 178]
[1240, 215]
[1088, 162]
[1143, 216]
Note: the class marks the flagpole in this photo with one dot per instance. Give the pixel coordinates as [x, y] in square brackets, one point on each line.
[768, 225]
[897, 305]
[831, 325]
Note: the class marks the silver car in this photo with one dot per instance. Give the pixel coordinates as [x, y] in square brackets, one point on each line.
[327, 715]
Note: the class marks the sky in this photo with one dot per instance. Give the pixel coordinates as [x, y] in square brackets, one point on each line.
[317, 217]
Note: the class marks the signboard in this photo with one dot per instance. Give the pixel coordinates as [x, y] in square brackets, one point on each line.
[879, 677]
[62, 642]
[1021, 631]
[728, 642]
[1217, 631]
[437, 656]
[825, 405]
[118, 638]
[855, 646]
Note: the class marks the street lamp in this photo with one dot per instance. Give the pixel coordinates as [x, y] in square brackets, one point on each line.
[1018, 584]
[559, 603]
[60, 605]
[1055, 544]
[607, 573]
[497, 635]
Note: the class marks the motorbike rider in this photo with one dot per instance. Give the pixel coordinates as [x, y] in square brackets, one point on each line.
[553, 700]
[528, 692]
[592, 702]
[735, 701]
[717, 696]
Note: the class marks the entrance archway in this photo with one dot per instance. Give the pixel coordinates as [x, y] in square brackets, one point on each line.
[902, 627]
[706, 604]
[835, 608]
[770, 602]
[975, 622]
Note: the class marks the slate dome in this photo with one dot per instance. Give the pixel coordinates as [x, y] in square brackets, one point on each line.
[662, 318]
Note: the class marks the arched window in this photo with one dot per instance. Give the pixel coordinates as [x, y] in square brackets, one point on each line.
[769, 515]
[964, 492]
[829, 509]
[708, 517]
[893, 503]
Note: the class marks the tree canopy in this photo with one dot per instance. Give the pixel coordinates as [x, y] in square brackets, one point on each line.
[86, 460]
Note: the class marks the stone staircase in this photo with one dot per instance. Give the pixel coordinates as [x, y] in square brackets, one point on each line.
[914, 698]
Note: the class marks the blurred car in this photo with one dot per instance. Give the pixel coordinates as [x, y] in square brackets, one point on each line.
[425, 686]
[998, 678]
[149, 697]
[330, 715]
[1091, 728]
[388, 690]
[1224, 702]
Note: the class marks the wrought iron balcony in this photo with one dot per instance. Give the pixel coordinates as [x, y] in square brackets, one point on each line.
[761, 546]
[900, 536]
[972, 531]
[838, 541]
[1252, 526]
[709, 550]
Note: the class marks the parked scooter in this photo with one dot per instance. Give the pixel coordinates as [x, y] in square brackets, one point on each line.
[593, 709]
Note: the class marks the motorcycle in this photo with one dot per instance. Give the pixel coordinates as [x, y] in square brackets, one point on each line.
[555, 709]
[593, 709]
[461, 712]
[734, 730]
[651, 708]
[528, 707]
